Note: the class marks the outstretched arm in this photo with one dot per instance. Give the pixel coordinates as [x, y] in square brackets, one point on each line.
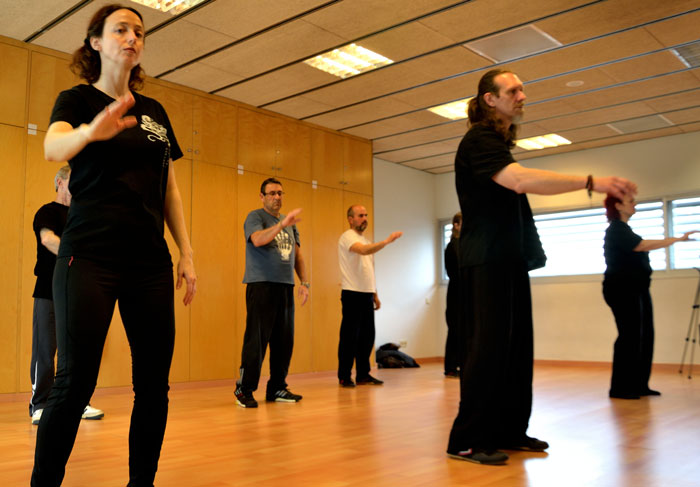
[367, 249]
[647, 245]
[267, 235]
[538, 181]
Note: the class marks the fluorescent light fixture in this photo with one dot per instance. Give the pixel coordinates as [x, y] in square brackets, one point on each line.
[173, 6]
[453, 111]
[542, 142]
[348, 61]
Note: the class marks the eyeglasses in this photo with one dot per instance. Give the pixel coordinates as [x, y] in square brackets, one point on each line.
[272, 194]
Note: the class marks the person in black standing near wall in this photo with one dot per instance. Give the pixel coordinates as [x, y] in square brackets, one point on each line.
[626, 290]
[120, 146]
[498, 246]
[453, 300]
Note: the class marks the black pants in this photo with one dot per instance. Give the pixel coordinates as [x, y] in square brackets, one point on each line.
[85, 294]
[42, 369]
[496, 378]
[634, 347]
[452, 317]
[270, 320]
[356, 334]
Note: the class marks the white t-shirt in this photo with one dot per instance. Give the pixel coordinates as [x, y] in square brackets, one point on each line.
[356, 271]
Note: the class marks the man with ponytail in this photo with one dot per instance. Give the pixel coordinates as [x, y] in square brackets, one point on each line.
[498, 245]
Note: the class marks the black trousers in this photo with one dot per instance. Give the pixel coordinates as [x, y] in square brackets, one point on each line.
[634, 347]
[356, 334]
[452, 317]
[270, 320]
[496, 378]
[85, 294]
[42, 369]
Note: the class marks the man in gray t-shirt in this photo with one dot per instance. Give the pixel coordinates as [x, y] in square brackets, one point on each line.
[273, 254]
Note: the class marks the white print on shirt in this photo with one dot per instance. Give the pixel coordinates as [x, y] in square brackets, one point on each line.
[158, 132]
[284, 245]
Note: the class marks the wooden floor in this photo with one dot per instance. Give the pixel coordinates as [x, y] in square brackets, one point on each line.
[379, 436]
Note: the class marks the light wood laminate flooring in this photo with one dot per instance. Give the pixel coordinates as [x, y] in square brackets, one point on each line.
[394, 434]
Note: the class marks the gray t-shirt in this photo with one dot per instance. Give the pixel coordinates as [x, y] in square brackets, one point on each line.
[273, 262]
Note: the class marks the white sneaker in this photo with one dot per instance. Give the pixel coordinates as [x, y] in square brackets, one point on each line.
[92, 413]
[36, 417]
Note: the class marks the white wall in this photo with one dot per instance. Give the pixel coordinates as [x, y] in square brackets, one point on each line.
[572, 322]
[406, 269]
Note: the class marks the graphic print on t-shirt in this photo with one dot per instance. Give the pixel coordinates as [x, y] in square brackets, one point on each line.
[284, 245]
[158, 132]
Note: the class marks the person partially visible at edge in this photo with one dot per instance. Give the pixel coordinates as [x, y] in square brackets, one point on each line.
[498, 245]
[626, 291]
[452, 310]
[120, 146]
[48, 225]
[272, 256]
[359, 299]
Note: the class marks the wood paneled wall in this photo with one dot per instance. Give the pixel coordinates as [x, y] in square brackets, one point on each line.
[230, 148]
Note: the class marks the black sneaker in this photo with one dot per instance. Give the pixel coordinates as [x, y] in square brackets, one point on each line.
[346, 383]
[368, 381]
[453, 374]
[527, 443]
[482, 457]
[245, 399]
[285, 395]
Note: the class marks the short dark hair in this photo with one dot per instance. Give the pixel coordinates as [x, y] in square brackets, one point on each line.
[611, 210]
[480, 112]
[266, 182]
[86, 61]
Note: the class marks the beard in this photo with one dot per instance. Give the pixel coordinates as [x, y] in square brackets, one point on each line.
[361, 227]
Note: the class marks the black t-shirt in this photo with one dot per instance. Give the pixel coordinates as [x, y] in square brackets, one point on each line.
[623, 263]
[118, 185]
[497, 223]
[53, 217]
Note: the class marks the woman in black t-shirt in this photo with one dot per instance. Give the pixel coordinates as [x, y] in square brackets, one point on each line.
[626, 290]
[120, 146]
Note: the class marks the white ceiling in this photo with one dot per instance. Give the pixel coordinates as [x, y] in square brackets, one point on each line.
[631, 86]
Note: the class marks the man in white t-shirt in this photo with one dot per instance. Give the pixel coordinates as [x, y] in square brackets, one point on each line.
[359, 299]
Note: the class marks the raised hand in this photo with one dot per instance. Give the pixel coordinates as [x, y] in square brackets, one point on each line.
[110, 121]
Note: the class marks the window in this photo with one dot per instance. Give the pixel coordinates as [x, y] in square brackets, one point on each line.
[445, 228]
[573, 240]
[685, 217]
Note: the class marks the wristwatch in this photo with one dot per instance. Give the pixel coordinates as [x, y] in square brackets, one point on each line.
[306, 284]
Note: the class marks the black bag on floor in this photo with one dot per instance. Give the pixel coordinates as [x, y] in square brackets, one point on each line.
[389, 357]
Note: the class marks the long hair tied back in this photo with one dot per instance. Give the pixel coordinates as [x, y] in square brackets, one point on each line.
[479, 111]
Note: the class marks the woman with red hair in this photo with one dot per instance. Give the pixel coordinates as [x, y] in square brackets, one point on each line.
[626, 290]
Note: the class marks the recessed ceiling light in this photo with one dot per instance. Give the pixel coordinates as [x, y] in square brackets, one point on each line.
[513, 44]
[575, 83]
[173, 6]
[542, 142]
[348, 61]
[689, 54]
[453, 111]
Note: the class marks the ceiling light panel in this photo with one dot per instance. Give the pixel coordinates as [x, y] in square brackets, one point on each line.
[173, 7]
[689, 54]
[454, 111]
[348, 61]
[513, 44]
[542, 142]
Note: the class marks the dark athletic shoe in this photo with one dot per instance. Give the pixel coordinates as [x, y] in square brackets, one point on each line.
[527, 443]
[482, 457]
[285, 395]
[649, 392]
[452, 374]
[368, 381]
[623, 395]
[346, 383]
[245, 399]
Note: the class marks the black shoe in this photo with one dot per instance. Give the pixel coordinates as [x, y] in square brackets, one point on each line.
[649, 392]
[285, 395]
[346, 383]
[527, 443]
[245, 399]
[623, 395]
[368, 381]
[483, 457]
[452, 374]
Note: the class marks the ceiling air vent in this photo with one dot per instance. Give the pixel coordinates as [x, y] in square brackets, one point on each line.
[640, 124]
[689, 54]
[513, 44]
